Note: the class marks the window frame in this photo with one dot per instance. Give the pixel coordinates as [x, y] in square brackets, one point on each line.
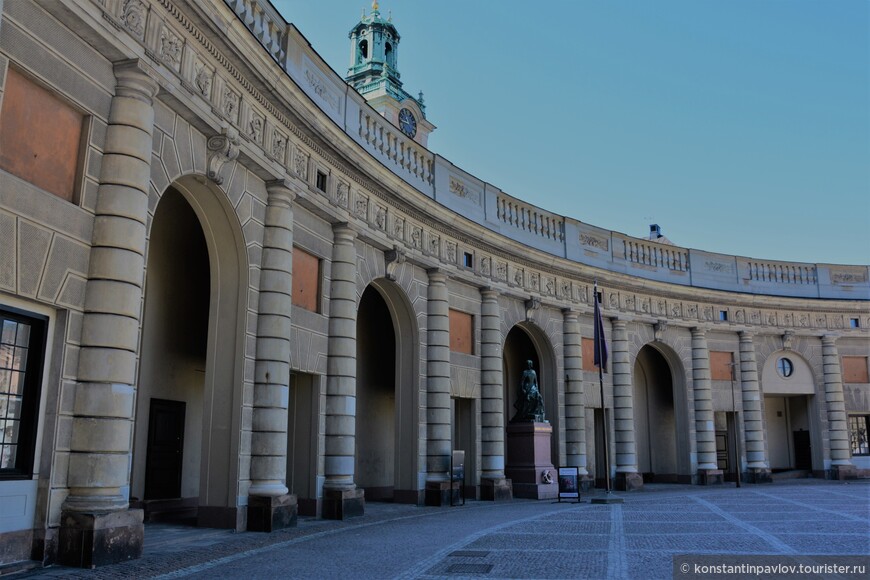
[32, 391]
[853, 438]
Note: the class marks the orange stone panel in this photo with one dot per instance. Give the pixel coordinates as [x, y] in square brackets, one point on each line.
[720, 365]
[306, 280]
[855, 369]
[39, 136]
[588, 346]
[461, 332]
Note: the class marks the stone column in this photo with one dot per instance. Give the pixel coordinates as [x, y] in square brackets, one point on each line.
[96, 527]
[270, 507]
[575, 409]
[627, 477]
[438, 488]
[341, 498]
[838, 429]
[493, 484]
[705, 431]
[753, 418]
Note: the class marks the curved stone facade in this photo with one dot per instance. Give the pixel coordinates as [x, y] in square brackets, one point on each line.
[260, 292]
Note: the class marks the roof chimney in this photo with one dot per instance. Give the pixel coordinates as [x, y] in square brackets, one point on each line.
[655, 232]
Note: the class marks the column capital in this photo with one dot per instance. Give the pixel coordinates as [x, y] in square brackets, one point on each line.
[437, 276]
[344, 231]
[135, 79]
[570, 315]
[488, 293]
[830, 339]
[618, 323]
[746, 336]
[698, 331]
[281, 192]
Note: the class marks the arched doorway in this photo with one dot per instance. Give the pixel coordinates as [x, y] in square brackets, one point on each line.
[387, 384]
[655, 418]
[188, 406]
[790, 413]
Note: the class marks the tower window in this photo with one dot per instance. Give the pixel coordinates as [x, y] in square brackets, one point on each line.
[854, 323]
[389, 54]
[467, 260]
[363, 50]
[321, 181]
[723, 315]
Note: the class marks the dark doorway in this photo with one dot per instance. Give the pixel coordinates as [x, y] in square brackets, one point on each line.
[464, 437]
[600, 469]
[165, 446]
[802, 450]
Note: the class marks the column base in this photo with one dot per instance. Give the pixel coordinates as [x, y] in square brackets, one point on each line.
[438, 493]
[844, 472]
[758, 475]
[499, 489]
[267, 514]
[91, 540]
[587, 483]
[628, 481]
[340, 504]
[710, 477]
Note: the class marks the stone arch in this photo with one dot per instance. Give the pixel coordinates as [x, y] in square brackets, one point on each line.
[400, 479]
[211, 395]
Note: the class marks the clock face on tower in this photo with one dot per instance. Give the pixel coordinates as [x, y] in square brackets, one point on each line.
[407, 123]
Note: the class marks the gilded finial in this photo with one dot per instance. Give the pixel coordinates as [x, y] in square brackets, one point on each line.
[374, 5]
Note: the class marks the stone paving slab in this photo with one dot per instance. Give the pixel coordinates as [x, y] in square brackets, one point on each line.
[523, 539]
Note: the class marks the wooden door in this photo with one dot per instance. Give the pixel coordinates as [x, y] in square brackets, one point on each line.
[165, 445]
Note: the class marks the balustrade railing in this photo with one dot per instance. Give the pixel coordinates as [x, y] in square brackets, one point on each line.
[782, 273]
[403, 152]
[265, 23]
[656, 255]
[529, 218]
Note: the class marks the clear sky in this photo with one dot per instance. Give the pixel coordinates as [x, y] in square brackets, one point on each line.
[740, 127]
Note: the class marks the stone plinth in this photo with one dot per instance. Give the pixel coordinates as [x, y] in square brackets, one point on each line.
[528, 458]
[499, 489]
[587, 483]
[91, 540]
[758, 475]
[628, 481]
[340, 504]
[710, 477]
[267, 514]
[438, 493]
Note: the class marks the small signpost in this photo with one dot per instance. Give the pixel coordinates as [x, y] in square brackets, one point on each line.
[457, 473]
[569, 484]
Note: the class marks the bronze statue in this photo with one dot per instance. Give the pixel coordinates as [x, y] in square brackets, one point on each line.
[529, 404]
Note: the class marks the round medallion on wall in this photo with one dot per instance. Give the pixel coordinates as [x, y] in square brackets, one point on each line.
[407, 123]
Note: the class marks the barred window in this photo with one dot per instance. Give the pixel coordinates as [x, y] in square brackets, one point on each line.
[858, 434]
[22, 347]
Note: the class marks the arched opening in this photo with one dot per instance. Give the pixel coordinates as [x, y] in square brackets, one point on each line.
[388, 49]
[655, 419]
[172, 367]
[362, 52]
[386, 386]
[189, 386]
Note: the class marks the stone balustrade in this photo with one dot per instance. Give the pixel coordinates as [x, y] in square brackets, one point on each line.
[488, 206]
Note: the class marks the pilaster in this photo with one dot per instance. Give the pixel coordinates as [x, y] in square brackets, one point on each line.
[838, 429]
[627, 477]
[494, 485]
[575, 409]
[438, 490]
[753, 418]
[705, 431]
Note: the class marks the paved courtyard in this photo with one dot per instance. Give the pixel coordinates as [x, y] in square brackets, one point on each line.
[524, 539]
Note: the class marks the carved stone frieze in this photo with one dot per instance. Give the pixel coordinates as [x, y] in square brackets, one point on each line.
[501, 271]
[342, 192]
[399, 228]
[381, 217]
[279, 146]
[203, 79]
[319, 87]
[417, 237]
[593, 241]
[844, 276]
[451, 250]
[300, 164]
[255, 129]
[134, 14]
[170, 48]
[485, 266]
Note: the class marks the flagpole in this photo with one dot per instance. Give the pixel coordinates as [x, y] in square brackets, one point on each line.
[601, 363]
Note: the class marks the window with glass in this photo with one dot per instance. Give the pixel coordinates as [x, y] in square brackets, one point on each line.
[858, 425]
[784, 367]
[22, 348]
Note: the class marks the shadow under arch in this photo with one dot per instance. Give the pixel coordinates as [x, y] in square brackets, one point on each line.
[192, 357]
[388, 461]
[661, 415]
[526, 341]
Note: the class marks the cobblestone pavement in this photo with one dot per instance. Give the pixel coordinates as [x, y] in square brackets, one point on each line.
[523, 539]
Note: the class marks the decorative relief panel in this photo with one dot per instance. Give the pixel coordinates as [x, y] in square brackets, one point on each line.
[342, 192]
[230, 105]
[460, 189]
[134, 14]
[593, 241]
[486, 266]
[417, 237]
[170, 48]
[565, 290]
[519, 277]
[255, 128]
[501, 271]
[451, 252]
[279, 146]
[202, 79]
[318, 85]
[381, 217]
[549, 286]
[718, 267]
[535, 281]
[842, 276]
[300, 164]
[399, 228]
[361, 207]
[434, 245]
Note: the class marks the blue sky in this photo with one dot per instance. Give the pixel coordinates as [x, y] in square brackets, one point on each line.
[740, 127]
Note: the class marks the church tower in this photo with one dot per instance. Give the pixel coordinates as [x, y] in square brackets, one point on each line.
[374, 73]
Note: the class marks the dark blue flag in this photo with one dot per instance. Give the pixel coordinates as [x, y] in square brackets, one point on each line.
[599, 340]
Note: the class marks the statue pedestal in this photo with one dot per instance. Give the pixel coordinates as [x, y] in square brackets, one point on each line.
[528, 458]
